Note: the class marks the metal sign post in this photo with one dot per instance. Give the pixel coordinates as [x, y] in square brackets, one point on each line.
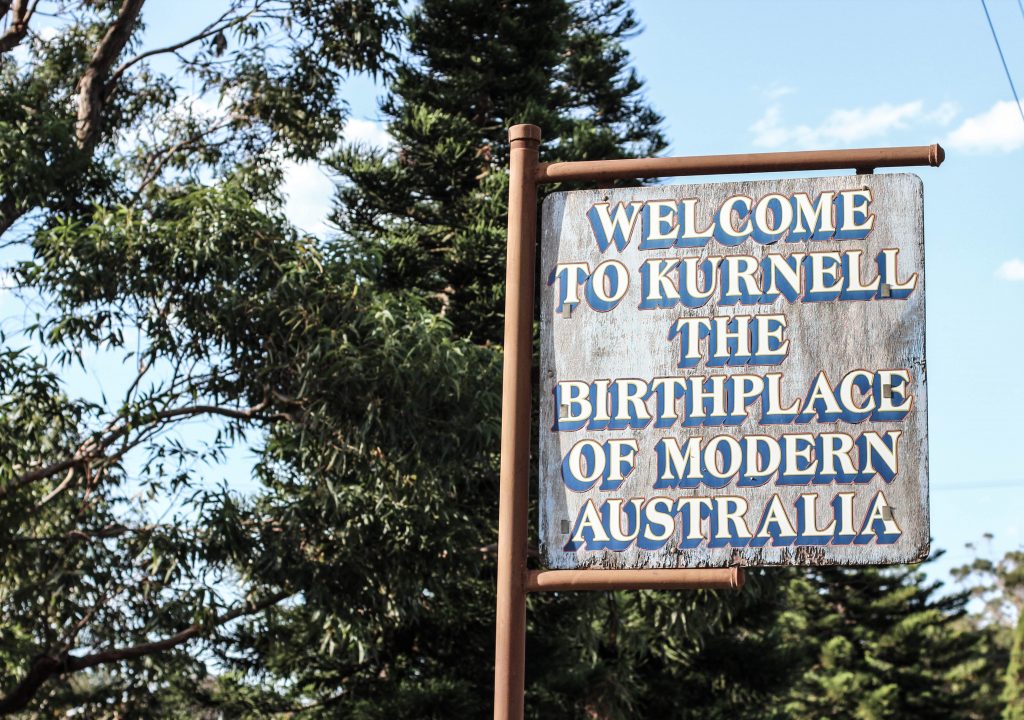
[510, 656]
[514, 579]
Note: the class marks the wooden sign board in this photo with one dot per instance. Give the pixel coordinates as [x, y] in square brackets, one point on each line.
[734, 373]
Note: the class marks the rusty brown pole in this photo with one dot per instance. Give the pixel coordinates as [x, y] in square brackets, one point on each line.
[866, 159]
[516, 400]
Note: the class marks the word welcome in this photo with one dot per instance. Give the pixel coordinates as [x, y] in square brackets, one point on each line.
[669, 223]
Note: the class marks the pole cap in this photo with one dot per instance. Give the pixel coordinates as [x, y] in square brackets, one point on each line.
[524, 132]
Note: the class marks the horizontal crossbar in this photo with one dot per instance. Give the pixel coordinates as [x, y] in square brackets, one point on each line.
[645, 579]
[863, 160]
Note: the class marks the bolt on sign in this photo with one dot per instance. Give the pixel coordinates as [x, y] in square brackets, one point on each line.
[734, 373]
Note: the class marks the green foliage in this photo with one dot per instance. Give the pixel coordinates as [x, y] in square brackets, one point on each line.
[152, 240]
[888, 646]
[1013, 691]
[997, 584]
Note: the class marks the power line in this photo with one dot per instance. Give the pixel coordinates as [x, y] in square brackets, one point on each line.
[994, 485]
[1020, 4]
[999, 47]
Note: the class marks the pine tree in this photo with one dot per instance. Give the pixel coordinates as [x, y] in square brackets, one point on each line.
[889, 645]
[433, 208]
[864, 643]
[998, 587]
[739, 667]
[429, 214]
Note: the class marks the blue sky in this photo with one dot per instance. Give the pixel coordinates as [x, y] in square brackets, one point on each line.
[756, 76]
[734, 77]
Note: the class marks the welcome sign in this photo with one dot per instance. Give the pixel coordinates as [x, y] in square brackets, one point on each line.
[734, 373]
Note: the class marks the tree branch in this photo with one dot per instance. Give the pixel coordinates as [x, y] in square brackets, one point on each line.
[9, 213]
[21, 13]
[136, 651]
[112, 530]
[93, 88]
[159, 159]
[57, 490]
[94, 447]
[219, 25]
[45, 667]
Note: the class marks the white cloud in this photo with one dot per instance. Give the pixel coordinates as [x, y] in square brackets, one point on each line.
[198, 106]
[1012, 269]
[9, 304]
[778, 90]
[842, 127]
[307, 187]
[49, 32]
[768, 130]
[308, 191]
[999, 129]
[22, 52]
[367, 132]
[944, 113]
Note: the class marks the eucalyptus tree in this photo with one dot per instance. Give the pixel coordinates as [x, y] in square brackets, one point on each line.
[141, 225]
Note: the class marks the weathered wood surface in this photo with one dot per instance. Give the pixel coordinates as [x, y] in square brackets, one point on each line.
[832, 336]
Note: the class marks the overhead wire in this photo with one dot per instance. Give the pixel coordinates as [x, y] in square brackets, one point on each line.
[991, 485]
[1006, 68]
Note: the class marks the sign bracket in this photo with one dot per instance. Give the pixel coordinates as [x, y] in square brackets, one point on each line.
[526, 173]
